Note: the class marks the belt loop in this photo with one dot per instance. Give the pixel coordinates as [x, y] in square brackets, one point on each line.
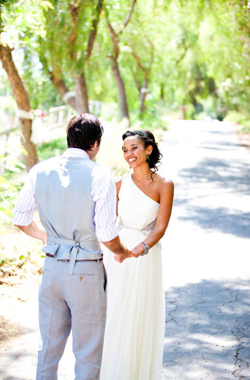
[99, 259]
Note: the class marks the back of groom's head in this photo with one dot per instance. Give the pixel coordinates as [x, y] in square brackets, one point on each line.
[83, 131]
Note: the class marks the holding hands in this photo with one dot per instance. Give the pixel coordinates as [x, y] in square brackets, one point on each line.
[120, 257]
[140, 250]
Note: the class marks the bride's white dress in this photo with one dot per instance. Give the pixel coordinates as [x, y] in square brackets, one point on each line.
[134, 335]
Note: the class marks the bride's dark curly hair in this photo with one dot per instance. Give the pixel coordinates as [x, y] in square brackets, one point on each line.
[148, 139]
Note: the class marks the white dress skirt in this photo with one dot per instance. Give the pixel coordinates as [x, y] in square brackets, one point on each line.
[134, 335]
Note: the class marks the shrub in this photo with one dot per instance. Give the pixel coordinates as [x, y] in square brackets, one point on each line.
[51, 149]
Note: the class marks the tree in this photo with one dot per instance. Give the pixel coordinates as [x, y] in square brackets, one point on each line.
[22, 100]
[145, 70]
[223, 51]
[71, 28]
[140, 43]
[115, 36]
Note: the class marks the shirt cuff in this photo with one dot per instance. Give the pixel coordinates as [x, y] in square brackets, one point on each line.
[107, 233]
[22, 219]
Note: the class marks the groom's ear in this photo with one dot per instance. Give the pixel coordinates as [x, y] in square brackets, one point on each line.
[95, 145]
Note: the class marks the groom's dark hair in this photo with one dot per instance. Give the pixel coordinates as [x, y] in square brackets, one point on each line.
[83, 131]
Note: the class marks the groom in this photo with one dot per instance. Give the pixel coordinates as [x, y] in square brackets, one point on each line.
[76, 202]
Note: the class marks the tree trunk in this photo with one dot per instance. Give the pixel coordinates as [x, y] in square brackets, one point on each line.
[143, 94]
[26, 127]
[81, 91]
[121, 92]
[162, 95]
[62, 89]
[22, 99]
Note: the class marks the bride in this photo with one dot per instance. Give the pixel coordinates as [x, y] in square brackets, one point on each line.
[134, 335]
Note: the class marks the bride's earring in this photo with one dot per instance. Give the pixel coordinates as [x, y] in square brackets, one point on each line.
[147, 160]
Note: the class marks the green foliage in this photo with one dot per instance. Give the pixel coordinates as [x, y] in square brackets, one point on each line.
[51, 149]
[9, 189]
[151, 119]
[199, 51]
[8, 195]
[24, 26]
[237, 117]
[149, 122]
[7, 104]
[240, 118]
[246, 127]
[190, 112]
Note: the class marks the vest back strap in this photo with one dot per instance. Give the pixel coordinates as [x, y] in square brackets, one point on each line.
[76, 251]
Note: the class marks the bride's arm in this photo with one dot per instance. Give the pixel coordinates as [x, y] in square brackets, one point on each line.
[166, 189]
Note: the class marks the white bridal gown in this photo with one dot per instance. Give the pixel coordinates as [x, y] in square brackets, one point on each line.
[134, 335]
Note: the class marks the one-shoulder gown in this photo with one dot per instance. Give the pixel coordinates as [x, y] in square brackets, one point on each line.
[134, 335]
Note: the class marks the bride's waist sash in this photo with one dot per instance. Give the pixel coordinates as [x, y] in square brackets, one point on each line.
[146, 229]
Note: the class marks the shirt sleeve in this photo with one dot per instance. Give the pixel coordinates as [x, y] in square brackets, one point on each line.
[26, 203]
[104, 194]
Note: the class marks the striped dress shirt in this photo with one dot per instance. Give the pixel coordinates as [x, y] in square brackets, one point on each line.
[103, 193]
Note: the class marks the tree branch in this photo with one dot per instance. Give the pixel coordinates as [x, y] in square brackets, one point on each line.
[93, 33]
[146, 71]
[137, 82]
[137, 60]
[186, 47]
[56, 78]
[74, 11]
[151, 55]
[19, 91]
[128, 17]
[114, 40]
[114, 35]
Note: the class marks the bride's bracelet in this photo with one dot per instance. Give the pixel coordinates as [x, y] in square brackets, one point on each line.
[146, 249]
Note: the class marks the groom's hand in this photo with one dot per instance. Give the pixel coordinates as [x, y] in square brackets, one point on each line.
[120, 257]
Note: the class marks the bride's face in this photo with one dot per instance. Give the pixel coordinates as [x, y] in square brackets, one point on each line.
[134, 151]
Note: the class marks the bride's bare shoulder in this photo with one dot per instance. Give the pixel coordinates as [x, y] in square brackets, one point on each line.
[165, 189]
[164, 184]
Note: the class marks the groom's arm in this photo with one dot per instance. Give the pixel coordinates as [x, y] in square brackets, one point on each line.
[34, 231]
[25, 208]
[120, 251]
[104, 194]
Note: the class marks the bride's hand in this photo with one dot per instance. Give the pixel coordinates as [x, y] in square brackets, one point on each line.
[138, 250]
[122, 256]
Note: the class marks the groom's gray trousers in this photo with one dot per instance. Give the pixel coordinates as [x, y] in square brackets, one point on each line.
[76, 301]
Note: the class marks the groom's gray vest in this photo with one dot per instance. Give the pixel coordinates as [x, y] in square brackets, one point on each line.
[66, 208]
